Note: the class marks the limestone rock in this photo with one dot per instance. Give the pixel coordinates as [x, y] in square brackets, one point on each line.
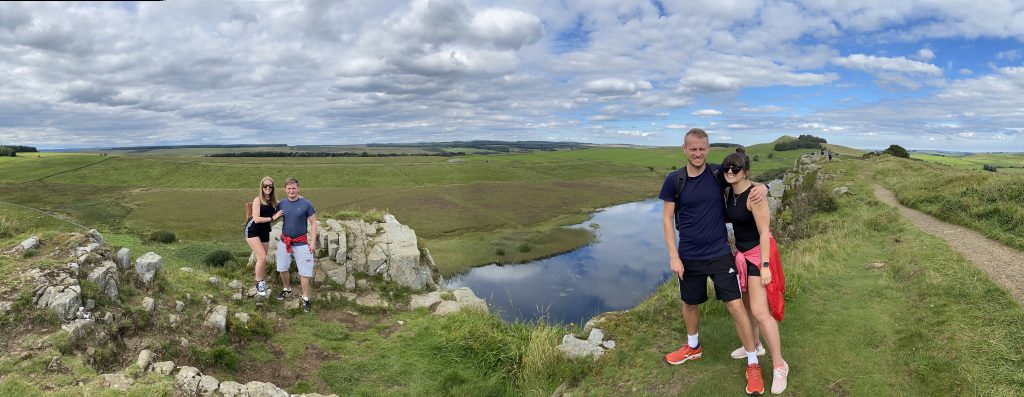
[242, 317]
[179, 306]
[105, 278]
[163, 367]
[425, 300]
[337, 273]
[186, 382]
[27, 244]
[841, 190]
[147, 266]
[468, 299]
[263, 389]
[96, 237]
[217, 319]
[235, 285]
[207, 385]
[596, 335]
[145, 358]
[148, 304]
[371, 299]
[214, 281]
[123, 258]
[232, 389]
[118, 381]
[776, 188]
[78, 330]
[64, 301]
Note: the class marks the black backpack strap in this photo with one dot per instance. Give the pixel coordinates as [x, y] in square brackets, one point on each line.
[680, 184]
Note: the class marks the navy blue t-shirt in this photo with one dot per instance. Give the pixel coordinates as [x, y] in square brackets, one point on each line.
[701, 215]
[295, 217]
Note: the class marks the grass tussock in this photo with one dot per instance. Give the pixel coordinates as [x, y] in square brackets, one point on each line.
[8, 227]
[163, 236]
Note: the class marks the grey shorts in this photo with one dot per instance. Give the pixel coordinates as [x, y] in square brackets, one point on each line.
[303, 259]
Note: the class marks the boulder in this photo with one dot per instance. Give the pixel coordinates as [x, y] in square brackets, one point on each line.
[117, 381]
[207, 385]
[425, 300]
[186, 382]
[371, 299]
[573, 347]
[78, 330]
[147, 266]
[27, 244]
[217, 319]
[123, 258]
[264, 389]
[337, 273]
[468, 299]
[95, 236]
[404, 257]
[776, 188]
[148, 304]
[232, 389]
[144, 360]
[105, 278]
[62, 300]
[163, 367]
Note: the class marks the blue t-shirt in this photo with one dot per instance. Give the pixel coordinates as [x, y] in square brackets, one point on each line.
[295, 216]
[700, 215]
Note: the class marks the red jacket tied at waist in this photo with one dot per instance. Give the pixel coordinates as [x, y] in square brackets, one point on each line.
[774, 288]
[288, 241]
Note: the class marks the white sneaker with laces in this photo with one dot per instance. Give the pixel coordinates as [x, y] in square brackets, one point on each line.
[739, 353]
[779, 379]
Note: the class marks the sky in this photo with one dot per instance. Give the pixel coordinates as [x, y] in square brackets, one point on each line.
[926, 75]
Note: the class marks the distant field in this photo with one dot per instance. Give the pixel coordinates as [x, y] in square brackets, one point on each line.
[1005, 162]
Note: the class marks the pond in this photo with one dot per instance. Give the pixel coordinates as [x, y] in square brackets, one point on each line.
[624, 265]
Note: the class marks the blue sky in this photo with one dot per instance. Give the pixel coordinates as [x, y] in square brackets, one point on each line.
[936, 74]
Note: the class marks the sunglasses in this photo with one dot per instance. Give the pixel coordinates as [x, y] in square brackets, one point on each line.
[734, 169]
[266, 186]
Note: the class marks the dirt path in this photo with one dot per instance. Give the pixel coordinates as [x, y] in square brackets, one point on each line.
[1002, 263]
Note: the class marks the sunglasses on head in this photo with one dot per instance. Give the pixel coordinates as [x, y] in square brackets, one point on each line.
[735, 169]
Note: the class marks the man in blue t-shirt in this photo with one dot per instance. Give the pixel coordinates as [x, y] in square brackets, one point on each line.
[703, 251]
[298, 214]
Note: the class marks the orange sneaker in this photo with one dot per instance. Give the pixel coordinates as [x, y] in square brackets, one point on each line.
[684, 354]
[755, 385]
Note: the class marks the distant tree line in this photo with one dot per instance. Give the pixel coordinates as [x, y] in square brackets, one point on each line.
[13, 150]
[330, 154]
[723, 144]
[897, 151]
[990, 167]
[496, 146]
[801, 142]
[143, 148]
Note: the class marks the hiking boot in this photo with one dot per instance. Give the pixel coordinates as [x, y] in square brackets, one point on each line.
[740, 353]
[755, 385]
[261, 288]
[306, 306]
[779, 378]
[285, 294]
[684, 354]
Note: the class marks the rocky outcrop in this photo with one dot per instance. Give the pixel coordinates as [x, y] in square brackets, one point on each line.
[594, 346]
[105, 278]
[123, 258]
[218, 318]
[27, 244]
[147, 266]
[459, 299]
[387, 248]
[62, 300]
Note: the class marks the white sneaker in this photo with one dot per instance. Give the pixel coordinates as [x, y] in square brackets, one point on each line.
[740, 353]
[779, 378]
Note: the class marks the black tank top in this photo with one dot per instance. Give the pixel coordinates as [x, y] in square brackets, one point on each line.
[266, 211]
[743, 224]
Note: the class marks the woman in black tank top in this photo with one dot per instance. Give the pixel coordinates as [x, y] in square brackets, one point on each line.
[257, 228]
[750, 225]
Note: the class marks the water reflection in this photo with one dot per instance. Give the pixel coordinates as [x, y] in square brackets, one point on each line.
[622, 268]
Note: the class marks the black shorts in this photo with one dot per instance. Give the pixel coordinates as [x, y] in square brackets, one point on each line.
[253, 230]
[753, 270]
[693, 287]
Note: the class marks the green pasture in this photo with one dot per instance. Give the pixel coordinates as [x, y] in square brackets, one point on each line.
[1005, 162]
[989, 202]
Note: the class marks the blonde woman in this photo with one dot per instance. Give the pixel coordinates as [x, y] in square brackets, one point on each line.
[754, 262]
[257, 229]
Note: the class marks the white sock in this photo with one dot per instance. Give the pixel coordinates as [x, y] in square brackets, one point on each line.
[752, 357]
[692, 340]
[305, 298]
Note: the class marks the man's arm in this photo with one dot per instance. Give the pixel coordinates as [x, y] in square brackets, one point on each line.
[313, 228]
[668, 214]
[759, 193]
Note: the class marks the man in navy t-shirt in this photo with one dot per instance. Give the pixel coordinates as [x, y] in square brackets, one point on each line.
[299, 217]
[703, 251]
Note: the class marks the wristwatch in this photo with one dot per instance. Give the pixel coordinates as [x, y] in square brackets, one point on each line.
[765, 264]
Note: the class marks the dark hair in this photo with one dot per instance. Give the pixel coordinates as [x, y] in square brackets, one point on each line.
[739, 158]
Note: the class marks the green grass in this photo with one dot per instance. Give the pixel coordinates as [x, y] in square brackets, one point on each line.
[988, 202]
[1006, 162]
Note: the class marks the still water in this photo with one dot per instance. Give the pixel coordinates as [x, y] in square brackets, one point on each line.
[621, 268]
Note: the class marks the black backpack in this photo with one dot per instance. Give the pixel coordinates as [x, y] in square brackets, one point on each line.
[716, 171]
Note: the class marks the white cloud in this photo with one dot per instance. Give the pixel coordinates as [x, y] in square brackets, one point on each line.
[613, 86]
[870, 63]
[966, 72]
[677, 126]
[706, 113]
[925, 54]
